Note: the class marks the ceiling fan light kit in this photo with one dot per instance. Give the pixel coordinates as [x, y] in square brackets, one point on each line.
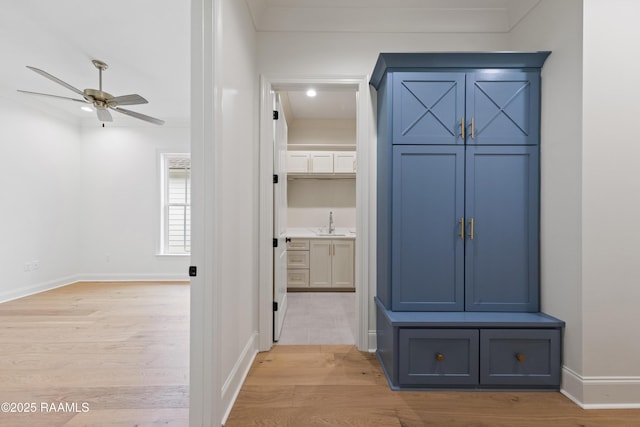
[101, 100]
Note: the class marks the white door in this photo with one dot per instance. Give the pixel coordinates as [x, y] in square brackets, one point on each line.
[279, 219]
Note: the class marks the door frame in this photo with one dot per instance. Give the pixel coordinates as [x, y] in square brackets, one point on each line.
[359, 85]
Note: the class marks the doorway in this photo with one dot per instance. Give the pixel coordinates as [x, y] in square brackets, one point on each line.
[358, 88]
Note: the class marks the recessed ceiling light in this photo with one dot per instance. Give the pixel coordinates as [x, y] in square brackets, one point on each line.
[86, 108]
[311, 93]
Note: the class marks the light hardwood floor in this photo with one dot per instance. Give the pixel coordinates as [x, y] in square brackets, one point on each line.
[121, 348]
[307, 386]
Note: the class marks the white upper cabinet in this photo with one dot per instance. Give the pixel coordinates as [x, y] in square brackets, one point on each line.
[344, 162]
[321, 162]
[297, 161]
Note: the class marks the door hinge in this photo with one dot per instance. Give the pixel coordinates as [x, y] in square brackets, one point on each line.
[275, 243]
[275, 306]
[275, 179]
[276, 115]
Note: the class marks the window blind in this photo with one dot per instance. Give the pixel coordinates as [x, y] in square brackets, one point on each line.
[178, 205]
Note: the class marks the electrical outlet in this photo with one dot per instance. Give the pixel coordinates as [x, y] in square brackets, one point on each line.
[35, 265]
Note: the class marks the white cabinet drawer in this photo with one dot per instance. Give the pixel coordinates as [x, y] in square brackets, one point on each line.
[297, 259]
[298, 245]
[298, 278]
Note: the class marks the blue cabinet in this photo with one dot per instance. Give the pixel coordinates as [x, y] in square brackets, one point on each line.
[458, 221]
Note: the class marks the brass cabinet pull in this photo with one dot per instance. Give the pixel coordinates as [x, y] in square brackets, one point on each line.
[473, 128]
[472, 231]
[461, 221]
[439, 357]
[520, 357]
[462, 128]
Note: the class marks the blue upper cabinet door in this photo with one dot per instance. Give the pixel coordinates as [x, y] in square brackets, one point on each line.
[503, 108]
[501, 251]
[427, 256]
[428, 108]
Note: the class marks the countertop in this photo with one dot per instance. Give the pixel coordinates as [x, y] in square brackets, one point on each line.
[311, 233]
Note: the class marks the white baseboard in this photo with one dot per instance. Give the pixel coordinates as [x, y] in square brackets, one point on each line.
[372, 340]
[591, 392]
[132, 277]
[233, 384]
[25, 291]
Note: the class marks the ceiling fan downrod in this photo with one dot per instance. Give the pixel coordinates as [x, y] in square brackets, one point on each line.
[101, 66]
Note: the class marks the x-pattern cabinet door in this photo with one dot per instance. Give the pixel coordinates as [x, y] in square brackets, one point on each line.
[502, 108]
[428, 108]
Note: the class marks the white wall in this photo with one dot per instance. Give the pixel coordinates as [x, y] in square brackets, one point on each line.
[238, 197]
[310, 201]
[557, 26]
[308, 131]
[40, 207]
[339, 54]
[119, 213]
[79, 196]
[610, 203]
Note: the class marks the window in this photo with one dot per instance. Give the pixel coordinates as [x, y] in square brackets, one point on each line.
[176, 204]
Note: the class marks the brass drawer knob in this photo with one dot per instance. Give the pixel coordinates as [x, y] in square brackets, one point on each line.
[520, 357]
[439, 357]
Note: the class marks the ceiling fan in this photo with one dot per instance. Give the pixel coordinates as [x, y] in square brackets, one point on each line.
[101, 101]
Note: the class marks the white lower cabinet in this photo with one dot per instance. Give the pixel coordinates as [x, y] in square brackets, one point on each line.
[331, 263]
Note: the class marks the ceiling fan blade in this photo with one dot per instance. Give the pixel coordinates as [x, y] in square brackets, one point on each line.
[55, 79]
[104, 115]
[139, 116]
[54, 96]
[133, 99]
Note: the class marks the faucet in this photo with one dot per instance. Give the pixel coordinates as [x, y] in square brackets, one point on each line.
[332, 228]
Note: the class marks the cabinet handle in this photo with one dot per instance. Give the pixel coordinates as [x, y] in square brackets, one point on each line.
[461, 221]
[472, 231]
[473, 128]
[520, 357]
[439, 357]
[462, 128]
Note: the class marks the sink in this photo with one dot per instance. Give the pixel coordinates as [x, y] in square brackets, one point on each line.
[323, 232]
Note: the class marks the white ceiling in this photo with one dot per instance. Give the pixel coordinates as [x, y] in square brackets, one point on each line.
[402, 16]
[146, 43]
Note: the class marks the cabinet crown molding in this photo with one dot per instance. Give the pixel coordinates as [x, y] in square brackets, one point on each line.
[472, 60]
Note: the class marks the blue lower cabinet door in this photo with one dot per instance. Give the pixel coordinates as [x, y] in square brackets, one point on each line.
[427, 244]
[430, 357]
[502, 246]
[512, 357]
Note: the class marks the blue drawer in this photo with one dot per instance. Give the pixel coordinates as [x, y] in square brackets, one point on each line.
[520, 357]
[438, 357]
